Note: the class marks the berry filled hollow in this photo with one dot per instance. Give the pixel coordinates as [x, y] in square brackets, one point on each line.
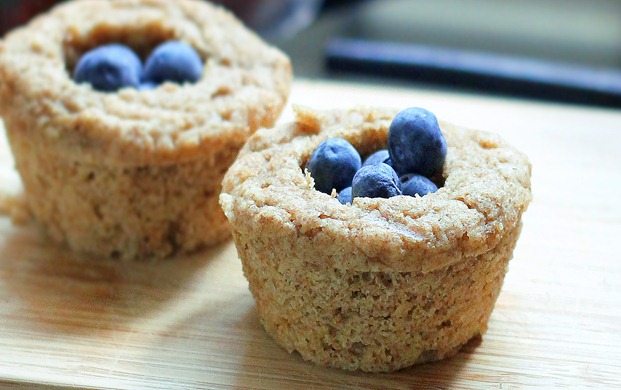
[377, 284]
[415, 155]
[114, 66]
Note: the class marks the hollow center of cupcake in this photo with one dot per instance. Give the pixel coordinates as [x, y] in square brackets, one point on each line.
[114, 66]
[415, 154]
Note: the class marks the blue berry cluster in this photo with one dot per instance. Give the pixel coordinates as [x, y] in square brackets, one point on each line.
[416, 151]
[114, 66]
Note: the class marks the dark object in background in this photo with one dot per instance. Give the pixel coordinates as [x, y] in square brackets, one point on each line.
[16, 12]
[486, 71]
[564, 50]
[571, 31]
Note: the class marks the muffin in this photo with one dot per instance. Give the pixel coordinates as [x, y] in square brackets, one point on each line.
[379, 284]
[134, 173]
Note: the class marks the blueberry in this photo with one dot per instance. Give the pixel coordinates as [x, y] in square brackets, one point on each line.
[173, 61]
[413, 184]
[376, 181]
[333, 164]
[345, 195]
[109, 68]
[416, 143]
[147, 85]
[381, 156]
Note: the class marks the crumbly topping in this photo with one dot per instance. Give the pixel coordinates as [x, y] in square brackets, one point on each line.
[486, 189]
[244, 86]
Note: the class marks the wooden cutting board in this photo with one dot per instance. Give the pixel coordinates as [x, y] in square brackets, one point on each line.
[191, 323]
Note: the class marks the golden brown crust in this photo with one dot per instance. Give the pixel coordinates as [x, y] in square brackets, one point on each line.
[244, 86]
[486, 189]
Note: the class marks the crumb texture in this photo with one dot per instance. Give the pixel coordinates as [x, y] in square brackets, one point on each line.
[125, 212]
[384, 283]
[134, 174]
[373, 321]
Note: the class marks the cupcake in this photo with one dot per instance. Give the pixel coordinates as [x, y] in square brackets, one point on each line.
[374, 283]
[127, 163]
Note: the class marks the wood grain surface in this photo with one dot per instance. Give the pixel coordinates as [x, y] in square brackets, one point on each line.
[191, 323]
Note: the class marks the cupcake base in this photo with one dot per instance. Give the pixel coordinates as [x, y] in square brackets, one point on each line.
[124, 212]
[372, 321]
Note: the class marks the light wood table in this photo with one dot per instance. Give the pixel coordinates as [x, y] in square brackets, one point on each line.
[191, 322]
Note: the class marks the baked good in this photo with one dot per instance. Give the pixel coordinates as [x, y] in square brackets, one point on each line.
[380, 284]
[134, 173]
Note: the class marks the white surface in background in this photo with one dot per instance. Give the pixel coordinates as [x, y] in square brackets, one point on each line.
[10, 183]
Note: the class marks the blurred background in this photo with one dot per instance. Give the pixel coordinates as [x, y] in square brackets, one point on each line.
[562, 50]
